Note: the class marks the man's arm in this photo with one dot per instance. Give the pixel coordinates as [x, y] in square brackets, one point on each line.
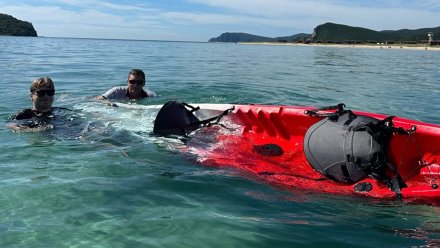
[19, 127]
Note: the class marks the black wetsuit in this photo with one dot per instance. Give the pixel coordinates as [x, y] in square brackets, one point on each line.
[30, 118]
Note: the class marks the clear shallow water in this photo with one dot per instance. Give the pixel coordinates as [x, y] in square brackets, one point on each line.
[102, 181]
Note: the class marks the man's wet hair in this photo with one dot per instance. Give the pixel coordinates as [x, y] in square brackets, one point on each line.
[42, 82]
[137, 73]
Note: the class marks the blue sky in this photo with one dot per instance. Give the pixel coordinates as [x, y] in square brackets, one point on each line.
[200, 20]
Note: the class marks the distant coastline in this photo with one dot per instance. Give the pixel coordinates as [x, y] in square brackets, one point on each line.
[339, 34]
[371, 46]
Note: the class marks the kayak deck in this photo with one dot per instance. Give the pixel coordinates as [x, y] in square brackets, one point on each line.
[250, 133]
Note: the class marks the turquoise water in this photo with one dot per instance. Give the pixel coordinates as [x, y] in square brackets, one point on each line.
[100, 180]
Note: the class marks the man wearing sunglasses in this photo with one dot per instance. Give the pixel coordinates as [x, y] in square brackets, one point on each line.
[134, 90]
[42, 93]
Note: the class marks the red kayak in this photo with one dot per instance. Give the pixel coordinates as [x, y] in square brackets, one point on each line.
[268, 141]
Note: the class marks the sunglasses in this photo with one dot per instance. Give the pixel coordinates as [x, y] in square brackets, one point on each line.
[41, 93]
[138, 82]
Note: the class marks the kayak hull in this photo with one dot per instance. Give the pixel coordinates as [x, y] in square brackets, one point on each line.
[247, 134]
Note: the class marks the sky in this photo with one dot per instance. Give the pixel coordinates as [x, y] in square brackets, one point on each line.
[200, 20]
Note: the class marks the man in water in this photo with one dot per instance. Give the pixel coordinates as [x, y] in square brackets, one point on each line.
[134, 90]
[38, 117]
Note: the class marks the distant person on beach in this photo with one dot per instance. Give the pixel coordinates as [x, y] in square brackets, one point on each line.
[134, 90]
[40, 115]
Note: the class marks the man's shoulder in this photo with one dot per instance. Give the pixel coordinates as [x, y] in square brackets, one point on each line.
[23, 114]
[117, 89]
[116, 92]
[28, 113]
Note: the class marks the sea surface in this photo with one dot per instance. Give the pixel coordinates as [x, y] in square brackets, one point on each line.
[99, 179]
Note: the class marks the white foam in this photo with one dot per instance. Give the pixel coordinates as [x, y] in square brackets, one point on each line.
[135, 120]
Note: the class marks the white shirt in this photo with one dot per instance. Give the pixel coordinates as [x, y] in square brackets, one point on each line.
[120, 93]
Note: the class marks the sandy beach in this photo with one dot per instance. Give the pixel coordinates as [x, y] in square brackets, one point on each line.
[370, 46]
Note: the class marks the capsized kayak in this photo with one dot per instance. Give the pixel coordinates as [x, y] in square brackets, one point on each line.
[268, 141]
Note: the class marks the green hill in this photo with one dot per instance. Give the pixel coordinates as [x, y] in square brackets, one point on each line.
[338, 33]
[11, 26]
